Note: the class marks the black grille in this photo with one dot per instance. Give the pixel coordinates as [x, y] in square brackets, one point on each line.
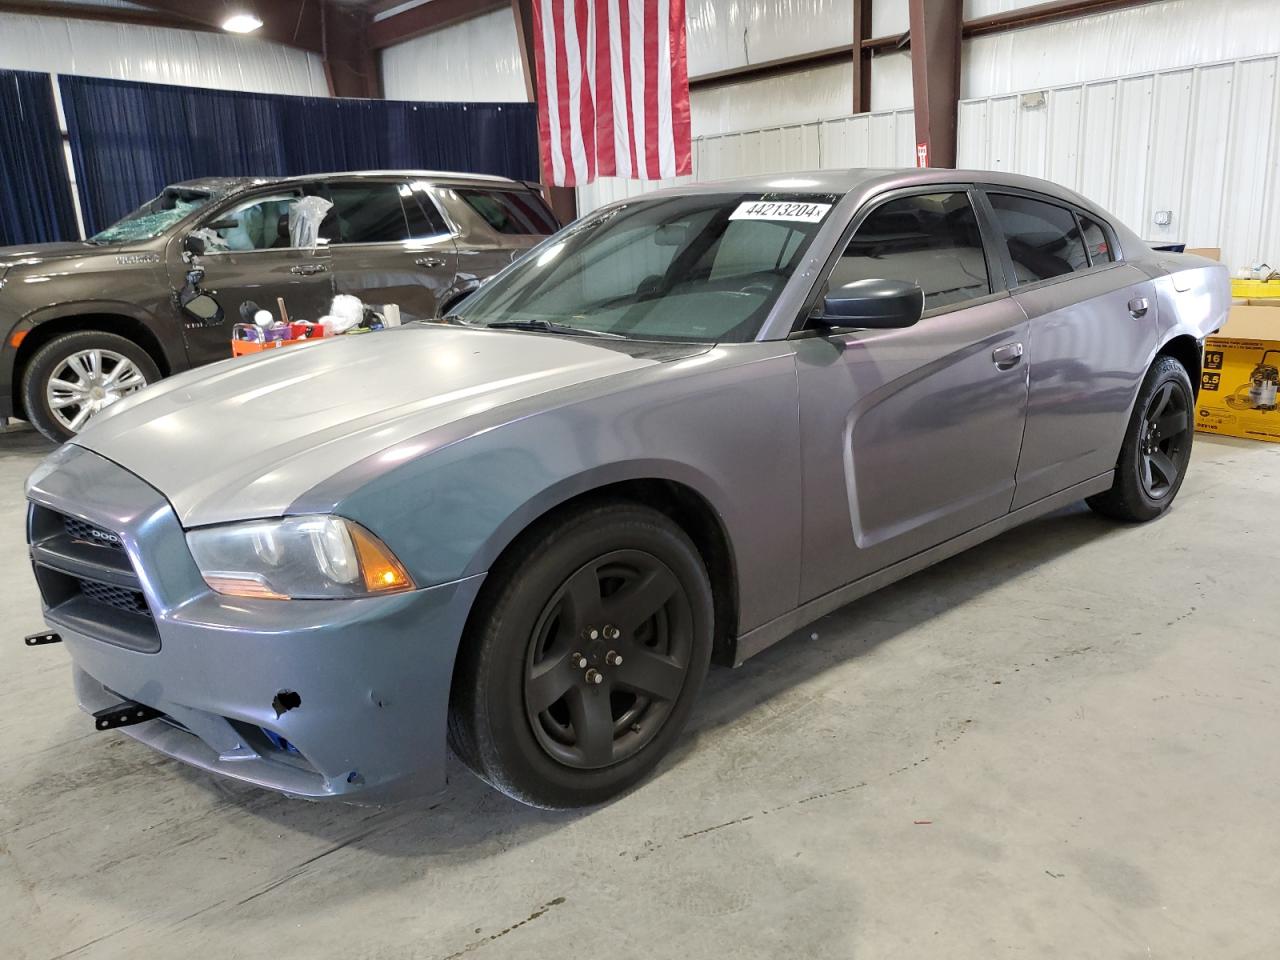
[119, 597]
[87, 532]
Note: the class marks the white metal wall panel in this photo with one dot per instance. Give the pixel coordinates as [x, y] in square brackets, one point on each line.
[725, 35]
[124, 51]
[790, 98]
[866, 140]
[1202, 143]
[1137, 40]
[889, 17]
[477, 59]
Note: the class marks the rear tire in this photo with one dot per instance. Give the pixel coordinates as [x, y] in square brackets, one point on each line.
[1157, 447]
[81, 366]
[540, 709]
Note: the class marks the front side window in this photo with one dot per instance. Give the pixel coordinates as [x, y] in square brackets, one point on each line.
[1044, 240]
[930, 240]
[510, 211]
[702, 267]
[258, 224]
[365, 213]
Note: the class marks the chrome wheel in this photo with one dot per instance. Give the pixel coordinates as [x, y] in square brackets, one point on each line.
[1163, 443]
[87, 382]
[609, 656]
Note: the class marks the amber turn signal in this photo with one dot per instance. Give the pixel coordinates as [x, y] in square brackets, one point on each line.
[379, 567]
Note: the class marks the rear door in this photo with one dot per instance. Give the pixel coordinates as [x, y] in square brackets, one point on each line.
[910, 436]
[390, 245]
[1092, 333]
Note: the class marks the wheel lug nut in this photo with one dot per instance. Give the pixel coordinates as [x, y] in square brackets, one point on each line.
[613, 659]
[579, 661]
[595, 676]
[612, 633]
[593, 634]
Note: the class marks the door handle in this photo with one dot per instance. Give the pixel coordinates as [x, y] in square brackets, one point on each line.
[1138, 307]
[1007, 355]
[308, 269]
[431, 262]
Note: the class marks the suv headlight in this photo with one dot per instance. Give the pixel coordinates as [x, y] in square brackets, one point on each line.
[297, 558]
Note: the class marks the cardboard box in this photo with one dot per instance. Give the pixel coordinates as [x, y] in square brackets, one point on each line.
[1240, 383]
[1213, 253]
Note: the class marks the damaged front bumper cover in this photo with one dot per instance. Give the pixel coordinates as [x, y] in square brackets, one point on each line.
[312, 698]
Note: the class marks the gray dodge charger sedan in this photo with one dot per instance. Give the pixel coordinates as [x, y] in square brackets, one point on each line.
[674, 433]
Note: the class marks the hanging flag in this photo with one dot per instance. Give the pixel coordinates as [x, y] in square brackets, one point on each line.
[612, 89]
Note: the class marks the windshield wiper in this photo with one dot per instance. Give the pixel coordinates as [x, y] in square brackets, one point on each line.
[546, 326]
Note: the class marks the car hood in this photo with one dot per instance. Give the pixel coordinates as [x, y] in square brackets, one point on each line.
[40, 253]
[245, 438]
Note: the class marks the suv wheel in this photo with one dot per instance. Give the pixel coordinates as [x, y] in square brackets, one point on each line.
[584, 657]
[77, 375]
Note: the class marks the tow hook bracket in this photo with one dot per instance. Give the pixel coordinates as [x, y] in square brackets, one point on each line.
[39, 639]
[124, 715]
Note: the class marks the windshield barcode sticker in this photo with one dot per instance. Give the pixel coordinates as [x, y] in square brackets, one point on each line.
[781, 210]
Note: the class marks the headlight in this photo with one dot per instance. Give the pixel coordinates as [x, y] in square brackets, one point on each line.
[300, 558]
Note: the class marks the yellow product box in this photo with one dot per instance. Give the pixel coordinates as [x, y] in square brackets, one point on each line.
[1240, 382]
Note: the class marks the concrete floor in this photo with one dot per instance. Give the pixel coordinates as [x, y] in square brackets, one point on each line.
[1061, 744]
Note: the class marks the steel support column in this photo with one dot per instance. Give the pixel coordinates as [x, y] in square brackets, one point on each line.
[935, 78]
[861, 56]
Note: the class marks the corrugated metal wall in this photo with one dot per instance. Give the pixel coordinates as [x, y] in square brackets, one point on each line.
[477, 59]
[865, 140]
[1202, 143]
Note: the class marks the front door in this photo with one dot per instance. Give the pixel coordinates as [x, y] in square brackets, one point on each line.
[390, 245]
[249, 258]
[911, 436]
[1092, 332]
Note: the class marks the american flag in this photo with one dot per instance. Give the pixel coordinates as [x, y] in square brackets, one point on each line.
[613, 89]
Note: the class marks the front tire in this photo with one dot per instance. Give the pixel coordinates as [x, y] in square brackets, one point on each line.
[584, 657]
[75, 376]
[1157, 447]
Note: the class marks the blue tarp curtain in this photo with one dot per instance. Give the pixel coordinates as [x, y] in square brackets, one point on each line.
[129, 140]
[35, 198]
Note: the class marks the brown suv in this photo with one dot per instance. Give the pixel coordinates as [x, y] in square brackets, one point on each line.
[89, 322]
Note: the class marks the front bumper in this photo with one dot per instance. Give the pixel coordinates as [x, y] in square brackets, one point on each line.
[373, 674]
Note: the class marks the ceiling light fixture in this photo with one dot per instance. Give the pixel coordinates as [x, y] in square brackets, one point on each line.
[241, 23]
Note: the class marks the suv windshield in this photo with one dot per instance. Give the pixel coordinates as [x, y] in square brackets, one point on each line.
[154, 217]
[701, 267]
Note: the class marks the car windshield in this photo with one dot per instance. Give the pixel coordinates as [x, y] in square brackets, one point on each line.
[701, 267]
[154, 217]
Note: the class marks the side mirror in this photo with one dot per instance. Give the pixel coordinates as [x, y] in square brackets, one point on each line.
[193, 245]
[873, 304]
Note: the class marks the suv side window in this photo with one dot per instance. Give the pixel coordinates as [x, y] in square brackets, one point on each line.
[931, 239]
[260, 224]
[510, 211]
[424, 217]
[1044, 239]
[365, 213]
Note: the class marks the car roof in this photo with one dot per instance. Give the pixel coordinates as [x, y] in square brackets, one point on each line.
[871, 180]
[225, 186]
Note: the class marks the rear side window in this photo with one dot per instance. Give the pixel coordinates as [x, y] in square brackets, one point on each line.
[1044, 240]
[931, 240]
[1095, 241]
[422, 214]
[366, 213]
[510, 211]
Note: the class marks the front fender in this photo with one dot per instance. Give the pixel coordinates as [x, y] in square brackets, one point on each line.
[449, 505]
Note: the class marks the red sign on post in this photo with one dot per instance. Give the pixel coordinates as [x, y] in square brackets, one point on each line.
[922, 154]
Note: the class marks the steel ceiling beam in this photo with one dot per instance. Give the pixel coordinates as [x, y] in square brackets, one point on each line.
[427, 18]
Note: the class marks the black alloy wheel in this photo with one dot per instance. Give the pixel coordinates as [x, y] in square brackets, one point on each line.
[1166, 431]
[609, 656]
[583, 656]
[1156, 448]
